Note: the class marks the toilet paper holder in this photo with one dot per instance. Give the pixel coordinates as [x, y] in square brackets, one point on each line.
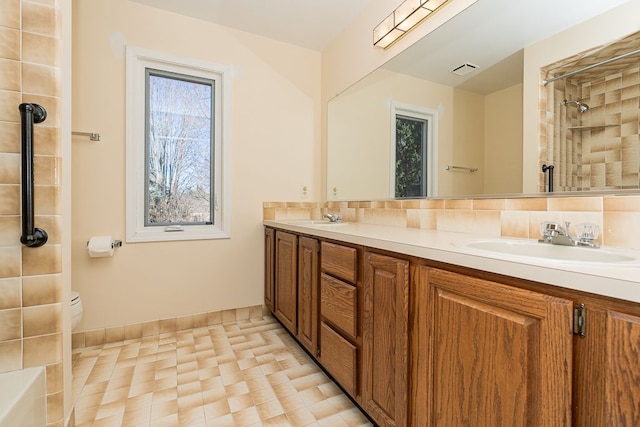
[115, 244]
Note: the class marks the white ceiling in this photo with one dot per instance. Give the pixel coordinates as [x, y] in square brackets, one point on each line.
[312, 24]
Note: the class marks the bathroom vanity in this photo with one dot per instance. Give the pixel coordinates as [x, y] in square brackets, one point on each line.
[421, 330]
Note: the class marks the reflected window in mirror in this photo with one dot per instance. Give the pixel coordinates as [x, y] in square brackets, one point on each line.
[412, 148]
[411, 156]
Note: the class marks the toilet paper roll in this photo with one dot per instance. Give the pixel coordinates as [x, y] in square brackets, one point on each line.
[100, 246]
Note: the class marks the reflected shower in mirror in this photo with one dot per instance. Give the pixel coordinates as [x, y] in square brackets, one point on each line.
[593, 115]
[582, 107]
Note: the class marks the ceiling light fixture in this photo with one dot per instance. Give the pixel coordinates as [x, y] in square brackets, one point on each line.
[405, 17]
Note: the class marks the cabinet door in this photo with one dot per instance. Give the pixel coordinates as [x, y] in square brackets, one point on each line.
[308, 293]
[286, 280]
[385, 339]
[269, 264]
[340, 358]
[497, 355]
[607, 377]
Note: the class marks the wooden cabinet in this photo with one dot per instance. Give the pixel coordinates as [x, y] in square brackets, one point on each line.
[340, 338]
[422, 343]
[385, 339]
[291, 262]
[607, 366]
[495, 355]
[286, 280]
[622, 372]
[269, 268]
[308, 293]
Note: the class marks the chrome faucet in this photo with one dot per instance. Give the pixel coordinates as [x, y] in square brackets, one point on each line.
[333, 217]
[554, 233]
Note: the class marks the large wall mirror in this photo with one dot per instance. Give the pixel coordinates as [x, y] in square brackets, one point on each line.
[413, 128]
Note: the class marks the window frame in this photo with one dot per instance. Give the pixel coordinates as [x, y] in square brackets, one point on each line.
[430, 116]
[138, 60]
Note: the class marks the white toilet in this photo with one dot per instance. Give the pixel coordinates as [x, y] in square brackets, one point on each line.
[76, 309]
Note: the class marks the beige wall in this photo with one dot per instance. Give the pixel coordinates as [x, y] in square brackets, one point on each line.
[351, 56]
[467, 148]
[275, 148]
[503, 141]
[605, 28]
[490, 138]
[360, 167]
[32, 284]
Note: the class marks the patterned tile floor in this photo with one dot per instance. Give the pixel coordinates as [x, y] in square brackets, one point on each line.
[249, 373]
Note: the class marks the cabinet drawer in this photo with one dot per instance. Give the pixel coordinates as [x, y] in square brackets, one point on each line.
[340, 261]
[338, 356]
[338, 304]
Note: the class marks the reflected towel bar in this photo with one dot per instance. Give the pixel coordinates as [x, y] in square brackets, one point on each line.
[448, 167]
[92, 136]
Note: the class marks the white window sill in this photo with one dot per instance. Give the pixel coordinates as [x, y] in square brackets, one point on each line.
[168, 236]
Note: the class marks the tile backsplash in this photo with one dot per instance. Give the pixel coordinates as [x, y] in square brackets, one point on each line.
[617, 216]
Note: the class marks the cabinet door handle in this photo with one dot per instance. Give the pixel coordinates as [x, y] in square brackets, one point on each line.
[580, 321]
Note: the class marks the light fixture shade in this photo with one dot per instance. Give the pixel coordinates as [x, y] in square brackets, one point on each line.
[389, 38]
[410, 13]
[434, 4]
[404, 18]
[406, 8]
[386, 32]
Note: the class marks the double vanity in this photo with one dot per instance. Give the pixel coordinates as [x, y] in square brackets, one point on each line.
[426, 327]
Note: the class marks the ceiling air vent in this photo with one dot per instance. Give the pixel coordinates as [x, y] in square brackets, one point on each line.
[463, 69]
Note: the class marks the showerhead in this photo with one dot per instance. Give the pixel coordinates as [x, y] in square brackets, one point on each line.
[582, 107]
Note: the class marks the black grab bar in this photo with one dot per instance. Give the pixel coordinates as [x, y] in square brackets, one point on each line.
[31, 236]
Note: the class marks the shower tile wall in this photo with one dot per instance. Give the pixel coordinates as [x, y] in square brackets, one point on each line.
[30, 282]
[598, 149]
[610, 151]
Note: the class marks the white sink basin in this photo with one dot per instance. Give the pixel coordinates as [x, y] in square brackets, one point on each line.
[532, 249]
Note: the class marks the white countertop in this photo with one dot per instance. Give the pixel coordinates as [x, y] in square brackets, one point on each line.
[618, 280]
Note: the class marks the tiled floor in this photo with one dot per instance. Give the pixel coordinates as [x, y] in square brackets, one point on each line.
[249, 373]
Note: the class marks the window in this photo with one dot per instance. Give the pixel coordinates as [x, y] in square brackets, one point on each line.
[176, 182]
[412, 154]
[411, 157]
